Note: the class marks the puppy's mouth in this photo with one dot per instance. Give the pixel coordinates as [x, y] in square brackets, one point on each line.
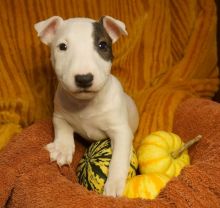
[80, 92]
[84, 94]
[77, 91]
[85, 91]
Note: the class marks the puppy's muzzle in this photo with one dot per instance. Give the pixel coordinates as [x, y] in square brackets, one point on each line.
[84, 80]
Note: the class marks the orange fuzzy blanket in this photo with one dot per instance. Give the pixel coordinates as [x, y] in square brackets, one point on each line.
[29, 180]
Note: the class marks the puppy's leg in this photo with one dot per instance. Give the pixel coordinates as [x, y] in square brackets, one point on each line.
[120, 162]
[63, 147]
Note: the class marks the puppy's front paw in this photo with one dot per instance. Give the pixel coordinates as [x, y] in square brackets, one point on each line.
[114, 187]
[61, 152]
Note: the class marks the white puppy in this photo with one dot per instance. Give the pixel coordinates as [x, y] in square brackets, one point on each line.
[89, 100]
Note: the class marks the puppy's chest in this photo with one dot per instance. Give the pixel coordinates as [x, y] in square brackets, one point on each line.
[91, 126]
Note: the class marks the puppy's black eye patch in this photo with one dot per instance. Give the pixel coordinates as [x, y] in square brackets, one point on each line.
[102, 41]
[62, 46]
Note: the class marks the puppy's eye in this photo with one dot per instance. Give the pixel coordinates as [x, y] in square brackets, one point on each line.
[62, 46]
[103, 46]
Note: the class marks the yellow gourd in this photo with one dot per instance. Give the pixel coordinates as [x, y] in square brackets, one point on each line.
[163, 152]
[145, 186]
[161, 156]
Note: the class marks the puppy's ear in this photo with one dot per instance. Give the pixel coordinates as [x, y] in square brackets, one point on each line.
[46, 29]
[115, 28]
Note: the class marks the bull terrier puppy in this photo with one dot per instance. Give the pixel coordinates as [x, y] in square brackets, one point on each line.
[89, 100]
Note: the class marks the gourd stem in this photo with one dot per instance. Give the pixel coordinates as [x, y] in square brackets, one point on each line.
[177, 153]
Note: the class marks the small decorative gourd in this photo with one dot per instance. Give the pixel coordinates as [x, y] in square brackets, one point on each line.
[161, 156]
[145, 186]
[163, 152]
[92, 170]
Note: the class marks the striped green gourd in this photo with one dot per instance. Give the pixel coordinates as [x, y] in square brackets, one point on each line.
[92, 170]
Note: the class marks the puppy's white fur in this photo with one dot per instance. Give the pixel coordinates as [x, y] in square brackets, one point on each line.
[102, 111]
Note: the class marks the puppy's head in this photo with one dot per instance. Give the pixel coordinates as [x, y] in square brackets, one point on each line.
[81, 51]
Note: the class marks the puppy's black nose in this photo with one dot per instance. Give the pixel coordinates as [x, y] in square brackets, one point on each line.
[84, 80]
